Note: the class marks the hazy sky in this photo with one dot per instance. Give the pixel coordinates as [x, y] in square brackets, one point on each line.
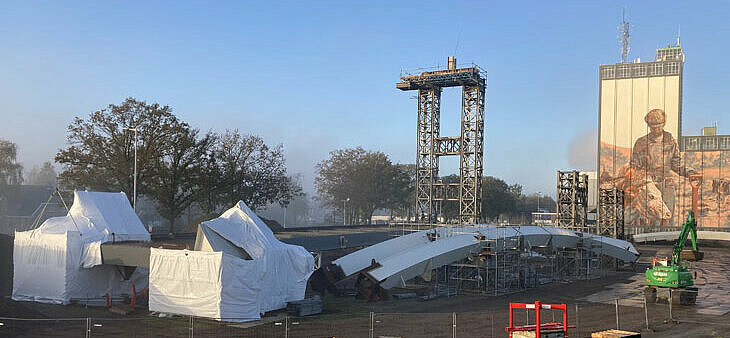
[316, 76]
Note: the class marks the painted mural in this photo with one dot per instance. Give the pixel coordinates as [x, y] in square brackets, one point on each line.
[657, 179]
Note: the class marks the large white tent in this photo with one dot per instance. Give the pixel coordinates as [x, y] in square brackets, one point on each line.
[60, 261]
[239, 269]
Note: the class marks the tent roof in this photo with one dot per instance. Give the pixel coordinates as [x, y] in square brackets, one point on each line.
[243, 228]
[102, 216]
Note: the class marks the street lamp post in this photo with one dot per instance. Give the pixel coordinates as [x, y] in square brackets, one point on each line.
[538, 201]
[134, 193]
[344, 211]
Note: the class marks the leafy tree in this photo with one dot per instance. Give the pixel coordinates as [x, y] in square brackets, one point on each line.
[11, 172]
[179, 168]
[244, 167]
[365, 178]
[177, 173]
[46, 175]
[403, 190]
[297, 210]
[100, 155]
[498, 197]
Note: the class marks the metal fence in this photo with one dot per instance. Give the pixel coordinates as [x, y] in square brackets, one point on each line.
[587, 317]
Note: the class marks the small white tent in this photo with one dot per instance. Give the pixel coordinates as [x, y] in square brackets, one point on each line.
[237, 260]
[61, 260]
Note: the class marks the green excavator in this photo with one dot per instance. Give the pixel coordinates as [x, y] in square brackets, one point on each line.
[674, 275]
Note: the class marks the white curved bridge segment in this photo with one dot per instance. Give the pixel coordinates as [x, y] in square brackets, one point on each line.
[406, 257]
[673, 235]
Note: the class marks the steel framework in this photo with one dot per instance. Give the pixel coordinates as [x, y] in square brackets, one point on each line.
[430, 145]
[573, 201]
[611, 213]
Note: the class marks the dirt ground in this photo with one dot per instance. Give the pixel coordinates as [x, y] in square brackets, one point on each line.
[462, 315]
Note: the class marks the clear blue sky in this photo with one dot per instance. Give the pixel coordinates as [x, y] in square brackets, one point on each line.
[316, 76]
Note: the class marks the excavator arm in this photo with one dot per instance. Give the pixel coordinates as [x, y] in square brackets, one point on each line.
[689, 229]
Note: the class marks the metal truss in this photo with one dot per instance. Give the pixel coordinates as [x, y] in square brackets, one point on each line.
[471, 153]
[430, 145]
[611, 213]
[427, 162]
[573, 201]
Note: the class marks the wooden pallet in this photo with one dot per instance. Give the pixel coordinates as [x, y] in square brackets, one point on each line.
[613, 333]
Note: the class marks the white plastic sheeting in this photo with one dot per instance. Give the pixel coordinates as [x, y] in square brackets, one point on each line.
[238, 237]
[61, 260]
[674, 235]
[205, 284]
[405, 257]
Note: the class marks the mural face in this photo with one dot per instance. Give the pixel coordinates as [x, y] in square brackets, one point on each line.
[639, 154]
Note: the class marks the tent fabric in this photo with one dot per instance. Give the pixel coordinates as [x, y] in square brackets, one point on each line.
[275, 272]
[287, 267]
[206, 284]
[61, 260]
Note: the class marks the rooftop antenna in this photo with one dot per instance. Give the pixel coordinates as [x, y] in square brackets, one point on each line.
[625, 36]
[679, 29]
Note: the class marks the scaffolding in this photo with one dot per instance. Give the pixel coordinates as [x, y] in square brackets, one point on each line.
[508, 264]
[611, 213]
[572, 201]
[431, 145]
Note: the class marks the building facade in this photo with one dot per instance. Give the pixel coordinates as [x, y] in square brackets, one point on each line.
[641, 149]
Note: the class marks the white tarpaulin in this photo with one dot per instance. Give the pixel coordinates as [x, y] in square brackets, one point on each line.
[61, 260]
[205, 284]
[238, 237]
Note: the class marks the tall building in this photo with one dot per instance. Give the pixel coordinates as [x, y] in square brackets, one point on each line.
[642, 152]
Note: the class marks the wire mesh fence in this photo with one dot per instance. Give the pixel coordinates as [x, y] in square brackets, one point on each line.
[587, 317]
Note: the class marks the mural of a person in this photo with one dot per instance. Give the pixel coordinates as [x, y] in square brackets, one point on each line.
[657, 156]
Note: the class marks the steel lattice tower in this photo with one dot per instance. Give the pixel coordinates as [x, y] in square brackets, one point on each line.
[573, 201]
[611, 213]
[469, 146]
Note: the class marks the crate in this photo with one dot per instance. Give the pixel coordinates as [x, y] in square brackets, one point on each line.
[304, 307]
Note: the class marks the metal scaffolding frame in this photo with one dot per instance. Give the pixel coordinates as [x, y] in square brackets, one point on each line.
[572, 201]
[611, 213]
[508, 265]
[469, 146]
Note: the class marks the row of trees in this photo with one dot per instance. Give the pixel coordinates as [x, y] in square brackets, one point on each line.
[179, 167]
[360, 181]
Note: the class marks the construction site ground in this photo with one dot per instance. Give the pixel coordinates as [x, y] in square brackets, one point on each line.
[475, 315]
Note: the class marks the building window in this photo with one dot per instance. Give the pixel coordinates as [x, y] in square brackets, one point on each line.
[691, 144]
[640, 70]
[672, 68]
[607, 72]
[709, 143]
[725, 142]
[655, 69]
[624, 71]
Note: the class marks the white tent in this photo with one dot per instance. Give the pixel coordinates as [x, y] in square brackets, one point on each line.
[61, 260]
[269, 271]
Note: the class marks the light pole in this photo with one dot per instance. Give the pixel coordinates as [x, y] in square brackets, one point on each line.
[538, 201]
[134, 193]
[344, 211]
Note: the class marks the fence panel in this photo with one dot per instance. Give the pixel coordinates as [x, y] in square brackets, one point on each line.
[355, 325]
[12, 327]
[212, 328]
[413, 325]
